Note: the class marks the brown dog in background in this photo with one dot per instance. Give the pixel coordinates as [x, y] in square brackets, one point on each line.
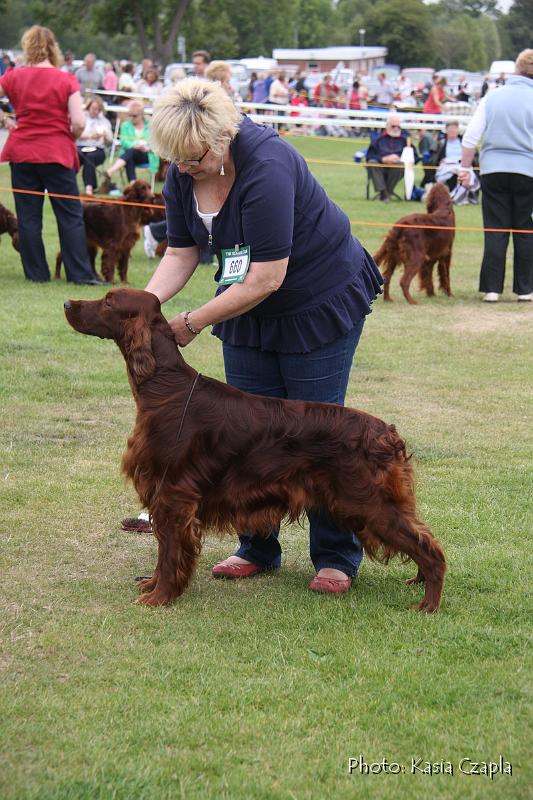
[115, 228]
[418, 248]
[206, 456]
[9, 224]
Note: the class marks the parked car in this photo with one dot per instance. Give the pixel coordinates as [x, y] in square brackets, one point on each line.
[418, 75]
[475, 82]
[391, 71]
[186, 66]
[499, 67]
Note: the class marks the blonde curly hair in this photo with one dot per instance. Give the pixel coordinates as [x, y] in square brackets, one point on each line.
[40, 44]
[191, 116]
[524, 63]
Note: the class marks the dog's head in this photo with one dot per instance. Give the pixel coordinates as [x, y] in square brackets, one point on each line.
[438, 198]
[129, 316]
[140, 192]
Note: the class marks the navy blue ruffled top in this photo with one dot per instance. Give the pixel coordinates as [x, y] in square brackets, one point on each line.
[278, 208]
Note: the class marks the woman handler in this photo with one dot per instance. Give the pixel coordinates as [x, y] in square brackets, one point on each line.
[294, 285]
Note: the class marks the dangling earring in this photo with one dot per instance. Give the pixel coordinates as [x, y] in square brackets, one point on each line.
[222, 167]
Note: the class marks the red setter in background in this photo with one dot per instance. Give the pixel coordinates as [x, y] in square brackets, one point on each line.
[115, 229]
[9, 224]
[204, 456]
[419, 248]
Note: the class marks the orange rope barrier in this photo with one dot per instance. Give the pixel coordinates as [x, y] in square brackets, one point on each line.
[118, 201]
[86, 198]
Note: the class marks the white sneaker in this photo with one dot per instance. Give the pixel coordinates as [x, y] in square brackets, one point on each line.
[491, 297]
[150, 243]
[525, 298]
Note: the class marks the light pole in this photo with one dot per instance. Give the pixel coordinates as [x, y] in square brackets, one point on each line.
[362, 32]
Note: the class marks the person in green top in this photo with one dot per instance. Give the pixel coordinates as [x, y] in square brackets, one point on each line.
[134, 145]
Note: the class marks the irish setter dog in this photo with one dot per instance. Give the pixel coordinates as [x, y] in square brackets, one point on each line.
[205, 456]
[419, 248]
[9, 224]
[115, 229]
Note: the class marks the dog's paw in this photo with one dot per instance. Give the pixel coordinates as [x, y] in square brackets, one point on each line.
[156, 598]
[147, 584]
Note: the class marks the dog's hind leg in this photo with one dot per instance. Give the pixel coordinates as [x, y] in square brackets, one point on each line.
[444, 274]
[411, 267]
[426, 277]
[402, 531]
[109, 260]
[387, 273]
[123, 266]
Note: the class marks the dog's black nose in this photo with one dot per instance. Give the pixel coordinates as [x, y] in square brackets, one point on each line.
[66, 305]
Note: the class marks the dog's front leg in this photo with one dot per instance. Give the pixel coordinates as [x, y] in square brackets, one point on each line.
[179, 543]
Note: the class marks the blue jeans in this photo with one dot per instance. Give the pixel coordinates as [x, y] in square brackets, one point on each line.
[320, 375]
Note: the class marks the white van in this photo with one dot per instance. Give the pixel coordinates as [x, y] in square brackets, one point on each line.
[497, 67]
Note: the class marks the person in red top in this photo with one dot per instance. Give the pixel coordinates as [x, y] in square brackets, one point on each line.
[42, 154]
[437, 95]
[326, 93]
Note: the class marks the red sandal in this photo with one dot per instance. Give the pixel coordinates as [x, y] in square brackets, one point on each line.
[331, 585]
[225, 570]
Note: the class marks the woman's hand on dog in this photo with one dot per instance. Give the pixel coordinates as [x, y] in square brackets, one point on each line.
[182, 334]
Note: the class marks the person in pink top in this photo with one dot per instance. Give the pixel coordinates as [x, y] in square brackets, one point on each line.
[110, 78]
[42, 154]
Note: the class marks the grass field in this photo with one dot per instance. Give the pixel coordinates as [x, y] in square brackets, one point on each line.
[262, 689]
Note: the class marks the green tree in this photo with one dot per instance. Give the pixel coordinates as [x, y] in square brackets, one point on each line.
[220, 39]
[349, 19]
[404, 27]
[155, 26]
[16, 17]
[515, 28]
[474, 8]
[314, 23]
[452, 43]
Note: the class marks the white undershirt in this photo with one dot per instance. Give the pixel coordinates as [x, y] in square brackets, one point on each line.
[207, 219]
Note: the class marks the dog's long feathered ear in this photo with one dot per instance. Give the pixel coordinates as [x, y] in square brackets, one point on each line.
[138, 346]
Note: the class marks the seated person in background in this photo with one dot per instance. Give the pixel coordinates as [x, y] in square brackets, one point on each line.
[89, 76]
[125, 81]
[220, 71]
[91, 144]
[110, 78]
[387, 149]
[448, 156]
[134, 148]
[150, 86]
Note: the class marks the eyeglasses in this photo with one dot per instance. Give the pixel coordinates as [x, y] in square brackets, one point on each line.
[192, 162]
[395, 127]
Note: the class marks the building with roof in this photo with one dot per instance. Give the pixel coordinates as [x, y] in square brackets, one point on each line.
[323, 59]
